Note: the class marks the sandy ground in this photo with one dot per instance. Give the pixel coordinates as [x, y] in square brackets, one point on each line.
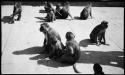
[22, 42]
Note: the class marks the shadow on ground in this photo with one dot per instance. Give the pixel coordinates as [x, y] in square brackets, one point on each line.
[7, 19]
[77, 18]
[51, 63]
[41, 58]
[42, 11]
[29, 51]
[112, 58]
[86, 42]
[42, 19]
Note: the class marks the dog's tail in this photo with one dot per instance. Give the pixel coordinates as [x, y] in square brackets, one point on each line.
[74, 67]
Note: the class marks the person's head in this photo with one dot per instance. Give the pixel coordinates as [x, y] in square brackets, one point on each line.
[44, 27]
[104, 24]
[70, 36]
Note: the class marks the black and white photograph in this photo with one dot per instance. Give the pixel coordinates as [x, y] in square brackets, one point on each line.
[62, 37]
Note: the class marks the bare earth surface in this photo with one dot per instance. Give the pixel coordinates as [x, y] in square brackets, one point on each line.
[22, 42]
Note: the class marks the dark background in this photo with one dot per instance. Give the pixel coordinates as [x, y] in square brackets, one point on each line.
[95, 3]
[62, 0]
